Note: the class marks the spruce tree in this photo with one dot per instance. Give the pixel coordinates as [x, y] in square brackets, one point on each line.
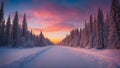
[8, 31]
[3, 33]
[114, 34]
[106, 30]
[41, 39]
[24, 26]
[1, 23]
[91, 38]
[91, 22]
[15, 29]
[100, 35]
[2, 13]
[94, 31]
[86, 34]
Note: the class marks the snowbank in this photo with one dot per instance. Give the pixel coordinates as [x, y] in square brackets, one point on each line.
[111, 56]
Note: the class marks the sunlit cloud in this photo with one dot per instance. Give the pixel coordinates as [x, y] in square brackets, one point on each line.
[53, 16]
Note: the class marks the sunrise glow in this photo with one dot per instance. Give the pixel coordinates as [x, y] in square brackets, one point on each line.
[55, 18]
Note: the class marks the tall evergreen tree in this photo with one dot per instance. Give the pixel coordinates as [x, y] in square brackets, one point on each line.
[75, 40]
[114, 34]
[31, 34]
[100, 30]
[15, 29]
[8, 31]
[3, 33]
[2, 13]
[91, 22]
[1, 22]
[80, 36]
[94, 31]
[24, 26]
[86, 34]
[41, 39]
[83, 38]
[91, 38]
[119, 18]
[106, 30]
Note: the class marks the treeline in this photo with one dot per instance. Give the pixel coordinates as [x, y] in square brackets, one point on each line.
[16, 34]
[99, 32]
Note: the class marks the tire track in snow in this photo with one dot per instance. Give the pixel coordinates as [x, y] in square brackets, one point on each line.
[23, 61]
[59, 57]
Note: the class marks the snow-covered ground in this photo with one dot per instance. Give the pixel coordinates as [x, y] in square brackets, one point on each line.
[59, 57]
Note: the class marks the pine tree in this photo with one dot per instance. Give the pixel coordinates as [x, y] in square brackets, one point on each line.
[31, 35]
[3, 33]
[119, 17]
[114, 34]
[83, 37]
[91, 22]
[1, 23]
[15, 29]
[106, 30]
[2, 13]
[24, 27]
[76, 37]
[19, 35]
[86, 34]
[94, 32]
[100, 35]
[8, 31]
[70, 39]
[80, 37]
[118, 22]
[41, 39]
[91, 38]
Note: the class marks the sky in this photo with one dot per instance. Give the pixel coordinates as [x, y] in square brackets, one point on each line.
[56, 18]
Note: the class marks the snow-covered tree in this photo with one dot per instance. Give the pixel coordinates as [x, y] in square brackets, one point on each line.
[2, 23]
[91, 22]
[15, 29]
[91, 38]
[24, 26]
[41, 39]
[100, 30]
[106, 30]
[82, 38]
[3, 33]
[86, 34]
[75, 38]
[66, 41]
[114, 34]
[2, 12]
[48, 42]
[118, 19]
[8, 31]
[94, 32]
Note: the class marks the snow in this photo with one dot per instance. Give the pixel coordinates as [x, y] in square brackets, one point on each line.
[8, 56]
[59, 57]
[110, 57]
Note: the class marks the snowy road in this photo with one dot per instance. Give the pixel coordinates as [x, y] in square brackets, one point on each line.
[55, 57]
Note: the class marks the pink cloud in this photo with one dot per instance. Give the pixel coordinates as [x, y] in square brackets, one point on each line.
[52, 17]
[58, 18]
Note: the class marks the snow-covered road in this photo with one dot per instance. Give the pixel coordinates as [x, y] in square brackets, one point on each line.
[53, 57]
